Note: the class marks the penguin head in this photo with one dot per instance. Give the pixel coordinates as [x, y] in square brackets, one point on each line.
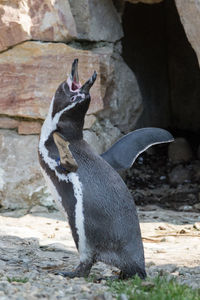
[70, 104]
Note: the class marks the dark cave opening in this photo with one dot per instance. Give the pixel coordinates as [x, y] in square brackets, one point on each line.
[156, 48]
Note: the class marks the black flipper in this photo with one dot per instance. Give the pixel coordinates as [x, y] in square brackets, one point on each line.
[67, 160]
[124, 152]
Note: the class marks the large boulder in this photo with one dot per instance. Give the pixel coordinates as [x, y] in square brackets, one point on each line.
[44, 20]
[31, 72]
[21, 182]
[189, 12]
[96, 20]
[123, 100]
[145, 1]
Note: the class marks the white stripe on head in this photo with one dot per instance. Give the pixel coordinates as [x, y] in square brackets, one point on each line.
[48, 127]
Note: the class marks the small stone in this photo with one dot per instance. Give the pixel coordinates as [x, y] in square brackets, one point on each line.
[185, 208]
[197, 206]
[123, 297]
[196, 226]
[38, 209]
[150, 264]
[179, 175]
[161, 228]
[84, 288]
[180, 151]
[147, 285]
[108, 296]
[182, 231]
[99, 297]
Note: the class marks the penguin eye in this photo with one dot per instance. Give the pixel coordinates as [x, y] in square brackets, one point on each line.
[72, 98]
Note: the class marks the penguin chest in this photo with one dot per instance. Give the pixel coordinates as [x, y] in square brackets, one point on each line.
[68, 193]
[54, 192]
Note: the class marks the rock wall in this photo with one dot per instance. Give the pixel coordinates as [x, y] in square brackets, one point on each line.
[38, 42]
[189, 12]
[166, 66]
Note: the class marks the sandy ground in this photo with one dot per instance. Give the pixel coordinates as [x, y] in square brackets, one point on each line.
[32, 247]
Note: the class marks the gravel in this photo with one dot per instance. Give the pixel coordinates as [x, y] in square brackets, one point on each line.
[34, 246]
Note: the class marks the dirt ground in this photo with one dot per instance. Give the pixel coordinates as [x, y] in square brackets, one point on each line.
[33, 247]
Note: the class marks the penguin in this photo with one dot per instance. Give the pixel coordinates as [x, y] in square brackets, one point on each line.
[87, 187]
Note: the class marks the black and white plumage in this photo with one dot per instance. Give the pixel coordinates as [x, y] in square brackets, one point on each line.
[99, 207]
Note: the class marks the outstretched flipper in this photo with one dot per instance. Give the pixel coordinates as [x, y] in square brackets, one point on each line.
[124, 152]
[67, 160]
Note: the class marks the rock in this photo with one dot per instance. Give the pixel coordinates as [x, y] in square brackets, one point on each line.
[8, 123]
[185, 208]
[21, 182]
[198, 152]
[123, 297]
[179, 175]
[145, 1]
[38, 209]
[24, 127]
[89, 121]
[92, 139]
[29, 127]
[106, 134]
[197, 206]
[180, 151]
[196, 226]
[122, 95]
[96, 20]
[189, 12]
[43, 20]
[28, 80]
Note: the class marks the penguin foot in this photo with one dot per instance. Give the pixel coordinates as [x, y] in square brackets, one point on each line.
[67, 274]
[126, 275]
[82, 270]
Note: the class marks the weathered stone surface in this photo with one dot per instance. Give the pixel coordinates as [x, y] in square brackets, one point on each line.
[25, 127]
[179, 175]
[44, 20]
[21, 182]
[31, 72]
[89, 121]
[96, 20]
[189, 12]
[8, 123]
[123, 95]
[145, 1]
[180, 151]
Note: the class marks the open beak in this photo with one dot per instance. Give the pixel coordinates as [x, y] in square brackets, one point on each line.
[86, 87]
[75, 79]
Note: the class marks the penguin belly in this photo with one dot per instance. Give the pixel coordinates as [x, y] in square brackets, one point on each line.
[110, 223]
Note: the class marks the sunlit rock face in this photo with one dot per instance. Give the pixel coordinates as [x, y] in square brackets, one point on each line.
[31, 72]
[44, 20]
[21, 182]
[189, 12]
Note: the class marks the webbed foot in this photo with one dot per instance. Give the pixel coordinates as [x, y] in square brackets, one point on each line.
[82, 270]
